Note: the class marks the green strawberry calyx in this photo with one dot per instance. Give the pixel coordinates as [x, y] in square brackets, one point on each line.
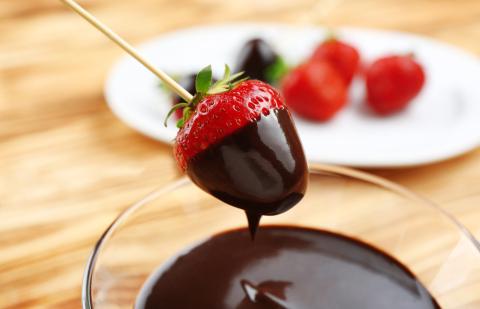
[276, 71]
[204, 87]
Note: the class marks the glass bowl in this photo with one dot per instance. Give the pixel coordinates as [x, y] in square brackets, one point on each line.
[444, 256]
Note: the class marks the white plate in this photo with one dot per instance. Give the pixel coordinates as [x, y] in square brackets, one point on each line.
[444, 120]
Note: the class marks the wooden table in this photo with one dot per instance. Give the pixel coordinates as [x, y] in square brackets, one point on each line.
[68, 166]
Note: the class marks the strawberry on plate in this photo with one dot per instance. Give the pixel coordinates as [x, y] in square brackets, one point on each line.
[238, 142]
[315, 90]
[392, 82]
[342, 56]
[259, 60]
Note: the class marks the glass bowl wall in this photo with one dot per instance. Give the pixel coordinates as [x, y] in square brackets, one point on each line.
[443, 255]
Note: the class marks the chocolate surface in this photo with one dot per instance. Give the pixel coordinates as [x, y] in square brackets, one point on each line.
[261, 168]
[286, 267]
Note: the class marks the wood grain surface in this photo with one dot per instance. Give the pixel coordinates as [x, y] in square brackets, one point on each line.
[68, 166]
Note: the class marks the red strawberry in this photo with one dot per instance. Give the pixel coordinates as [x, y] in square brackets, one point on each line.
[315, 90]
[342, 56]
[392, 82]
[237, 141]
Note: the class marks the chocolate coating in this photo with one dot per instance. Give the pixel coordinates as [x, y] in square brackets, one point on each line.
[261, 168]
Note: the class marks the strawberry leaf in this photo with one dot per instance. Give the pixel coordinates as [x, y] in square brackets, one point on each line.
[236, 75]
[172, 110]
[180, 123]
[227, 82]
[226, 75]
[220, 85]
[276, 70]
[204, 80]
[187, 111]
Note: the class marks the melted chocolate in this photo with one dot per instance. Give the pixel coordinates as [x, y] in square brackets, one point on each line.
[261, 168]
[286, 267]
[255, 58]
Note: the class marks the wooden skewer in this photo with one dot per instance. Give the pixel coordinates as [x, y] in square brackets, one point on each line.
[172, 84]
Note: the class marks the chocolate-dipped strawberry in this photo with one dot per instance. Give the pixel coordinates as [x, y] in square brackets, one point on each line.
[258, 60]
[237, 142]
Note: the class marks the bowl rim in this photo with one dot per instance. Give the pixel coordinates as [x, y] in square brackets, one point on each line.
[314, 168]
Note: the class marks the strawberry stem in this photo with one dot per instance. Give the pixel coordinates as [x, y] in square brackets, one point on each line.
[410, 54]
[330, 35]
